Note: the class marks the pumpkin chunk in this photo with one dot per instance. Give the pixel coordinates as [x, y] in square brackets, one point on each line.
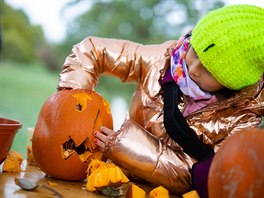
[13, 162]
[30, 158]
[159, 192]
[135, 192]
[101, 174]
[191, 194]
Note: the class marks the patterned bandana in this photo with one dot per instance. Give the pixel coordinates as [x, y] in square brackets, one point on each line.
[180, 74]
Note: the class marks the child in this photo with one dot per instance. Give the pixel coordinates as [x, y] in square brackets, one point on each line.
[206, 86]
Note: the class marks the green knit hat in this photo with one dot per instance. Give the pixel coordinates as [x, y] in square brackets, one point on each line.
[230, 44]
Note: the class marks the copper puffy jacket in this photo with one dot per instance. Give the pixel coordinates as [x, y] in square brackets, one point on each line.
[143, 147]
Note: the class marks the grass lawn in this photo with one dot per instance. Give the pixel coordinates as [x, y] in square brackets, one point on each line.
[23, 90]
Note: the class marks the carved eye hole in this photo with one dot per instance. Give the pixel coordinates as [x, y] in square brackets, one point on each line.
[78, 107]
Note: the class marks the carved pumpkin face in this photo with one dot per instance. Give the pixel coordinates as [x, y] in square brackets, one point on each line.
[237, 167]
[62, 142]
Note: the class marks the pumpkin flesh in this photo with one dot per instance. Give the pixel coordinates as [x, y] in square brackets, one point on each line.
[159, 192]
[12, 163]
[135, 192]
[101, 174]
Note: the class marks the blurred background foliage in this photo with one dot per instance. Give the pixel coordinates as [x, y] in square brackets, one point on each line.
[19, 38]
[143, 21]
[30, 65]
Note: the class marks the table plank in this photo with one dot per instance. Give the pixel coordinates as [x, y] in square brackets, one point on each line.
[8, 188]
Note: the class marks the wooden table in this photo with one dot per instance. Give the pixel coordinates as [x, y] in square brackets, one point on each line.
[8, 188]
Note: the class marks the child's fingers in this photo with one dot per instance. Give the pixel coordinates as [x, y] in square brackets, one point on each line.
[106, 130]
[100, 136]
[105, 138]
[101, 144]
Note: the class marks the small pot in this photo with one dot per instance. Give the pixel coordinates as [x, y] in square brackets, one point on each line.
[8, 129]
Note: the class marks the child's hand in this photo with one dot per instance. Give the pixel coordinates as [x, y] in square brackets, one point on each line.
[105, 138]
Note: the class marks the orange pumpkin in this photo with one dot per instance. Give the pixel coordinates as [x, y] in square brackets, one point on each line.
[62, 142]
[237, 168]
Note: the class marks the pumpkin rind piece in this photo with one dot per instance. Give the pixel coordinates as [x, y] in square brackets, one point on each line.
[135, 192]
[159, 192]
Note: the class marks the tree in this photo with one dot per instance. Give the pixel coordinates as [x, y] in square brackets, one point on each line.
[144, 21]
[20, 39]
